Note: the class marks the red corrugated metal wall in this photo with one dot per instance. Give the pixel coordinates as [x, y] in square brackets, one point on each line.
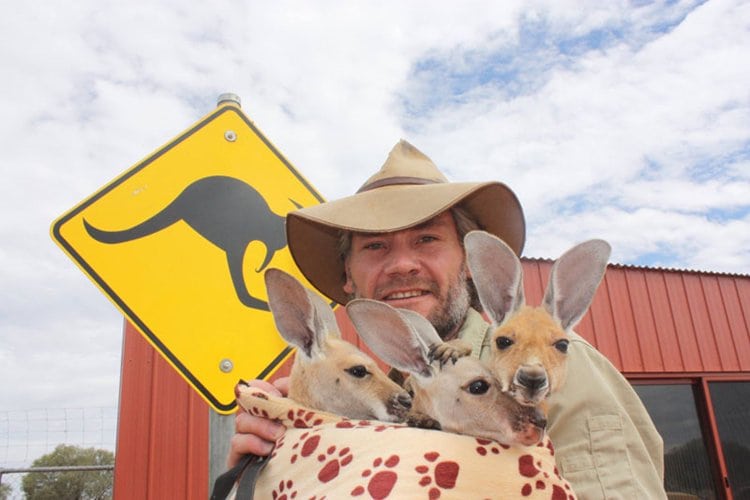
[162, 430]
[644, 320]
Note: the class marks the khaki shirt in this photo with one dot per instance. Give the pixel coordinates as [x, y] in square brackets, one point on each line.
[606, 445]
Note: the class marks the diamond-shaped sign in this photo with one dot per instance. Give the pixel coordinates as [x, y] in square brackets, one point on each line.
[179, 243]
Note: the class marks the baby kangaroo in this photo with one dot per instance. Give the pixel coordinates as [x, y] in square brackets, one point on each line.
[329, 373]
[460, 395]
[529, 344]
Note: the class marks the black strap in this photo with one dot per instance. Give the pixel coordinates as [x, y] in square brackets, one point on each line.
[247, 471]
[246, 488]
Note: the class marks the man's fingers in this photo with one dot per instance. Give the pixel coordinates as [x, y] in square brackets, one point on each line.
[266, 429]
[282, 384]
[253, 435]
[244, 444]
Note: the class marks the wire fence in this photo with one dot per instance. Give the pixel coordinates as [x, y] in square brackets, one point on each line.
[26, 435]
[76, 479]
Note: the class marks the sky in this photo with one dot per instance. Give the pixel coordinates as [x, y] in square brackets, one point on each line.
[628, 121]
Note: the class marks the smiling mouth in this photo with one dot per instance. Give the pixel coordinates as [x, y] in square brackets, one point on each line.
[405, 295]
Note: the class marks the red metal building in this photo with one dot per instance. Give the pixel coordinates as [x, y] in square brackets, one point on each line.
[681, 337]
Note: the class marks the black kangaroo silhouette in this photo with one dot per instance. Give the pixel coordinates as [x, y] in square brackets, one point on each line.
[226, 211]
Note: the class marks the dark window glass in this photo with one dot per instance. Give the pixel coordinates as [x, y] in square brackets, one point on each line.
[731, 401]
[687, 469]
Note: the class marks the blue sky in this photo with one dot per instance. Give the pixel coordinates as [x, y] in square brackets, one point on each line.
[628, 121]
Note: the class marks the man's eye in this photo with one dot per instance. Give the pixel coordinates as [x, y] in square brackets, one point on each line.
[358, 371]
[373, 246]
[427, 239]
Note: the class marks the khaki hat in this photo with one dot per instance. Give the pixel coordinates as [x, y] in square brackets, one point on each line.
[407, 191]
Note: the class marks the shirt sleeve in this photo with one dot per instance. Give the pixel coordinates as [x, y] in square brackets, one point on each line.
[606, 444]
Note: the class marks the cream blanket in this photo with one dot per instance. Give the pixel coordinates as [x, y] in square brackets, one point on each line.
[325, 455]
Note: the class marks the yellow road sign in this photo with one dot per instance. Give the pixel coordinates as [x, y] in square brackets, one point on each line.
[179, 243]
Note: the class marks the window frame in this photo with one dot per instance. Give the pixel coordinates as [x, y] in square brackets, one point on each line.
[706, 413]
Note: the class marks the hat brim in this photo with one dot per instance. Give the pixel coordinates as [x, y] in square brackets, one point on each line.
[313, 232]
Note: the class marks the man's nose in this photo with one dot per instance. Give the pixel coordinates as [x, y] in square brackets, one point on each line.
[402, 260]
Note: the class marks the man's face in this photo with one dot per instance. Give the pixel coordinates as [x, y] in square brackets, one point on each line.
[421, 268]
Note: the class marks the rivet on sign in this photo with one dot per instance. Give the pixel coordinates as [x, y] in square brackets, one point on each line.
[230, 135]
[226, 365]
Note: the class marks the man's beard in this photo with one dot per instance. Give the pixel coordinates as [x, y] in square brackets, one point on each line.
[452, 307]
[447, 318]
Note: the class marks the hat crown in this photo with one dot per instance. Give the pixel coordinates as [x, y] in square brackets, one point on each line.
[405, 165]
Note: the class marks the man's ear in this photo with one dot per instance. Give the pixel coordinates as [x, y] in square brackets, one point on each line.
[348, 284]
[467, 268]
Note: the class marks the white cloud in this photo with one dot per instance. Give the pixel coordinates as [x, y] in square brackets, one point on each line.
[609, 120]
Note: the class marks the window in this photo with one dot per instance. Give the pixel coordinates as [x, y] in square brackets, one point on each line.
[731, 403]
[687, 468]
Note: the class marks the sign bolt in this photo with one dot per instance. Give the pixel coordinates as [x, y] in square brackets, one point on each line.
[226, 365]
[228, 98]
[230, 135]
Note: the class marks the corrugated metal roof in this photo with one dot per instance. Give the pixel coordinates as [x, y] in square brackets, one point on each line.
[652, 268]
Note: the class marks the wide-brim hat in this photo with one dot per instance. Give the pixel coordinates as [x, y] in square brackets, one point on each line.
[407, 191]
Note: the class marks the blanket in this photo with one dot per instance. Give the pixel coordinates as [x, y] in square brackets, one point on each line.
[323, 455]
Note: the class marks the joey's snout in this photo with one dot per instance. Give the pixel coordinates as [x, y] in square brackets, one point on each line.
[399, 405]
[531, 385]
[538, 419]
[533, 424]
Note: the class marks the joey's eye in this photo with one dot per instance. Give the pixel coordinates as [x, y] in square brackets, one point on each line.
[479, 387]
[503, 342]
[562, 345]
[358, 371]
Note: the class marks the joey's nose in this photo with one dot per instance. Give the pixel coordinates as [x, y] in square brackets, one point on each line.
[538, 418]
[404, 400]
[532, 379]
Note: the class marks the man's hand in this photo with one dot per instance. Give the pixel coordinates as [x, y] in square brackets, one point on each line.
[253, 434]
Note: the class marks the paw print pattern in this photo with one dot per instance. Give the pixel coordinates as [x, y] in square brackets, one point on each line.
[284, 491]
[302, 419]
[443, 476]
[527, 468]
[557, 492]
[306, 446]
[486, 446]
[549, 447]
[380, 483]
[254, 410]
[260, 395]
[333, 465]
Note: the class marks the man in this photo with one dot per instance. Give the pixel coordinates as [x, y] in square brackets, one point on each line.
[399, 240]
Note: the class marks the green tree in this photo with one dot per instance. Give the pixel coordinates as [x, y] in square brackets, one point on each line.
[4, 491]
[70, 485]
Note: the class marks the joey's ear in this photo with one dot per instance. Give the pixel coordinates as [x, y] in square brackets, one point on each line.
[422, 328]
[574, 278]
[389, 336]
[293, 311]
[497, 274]
[325, 320]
